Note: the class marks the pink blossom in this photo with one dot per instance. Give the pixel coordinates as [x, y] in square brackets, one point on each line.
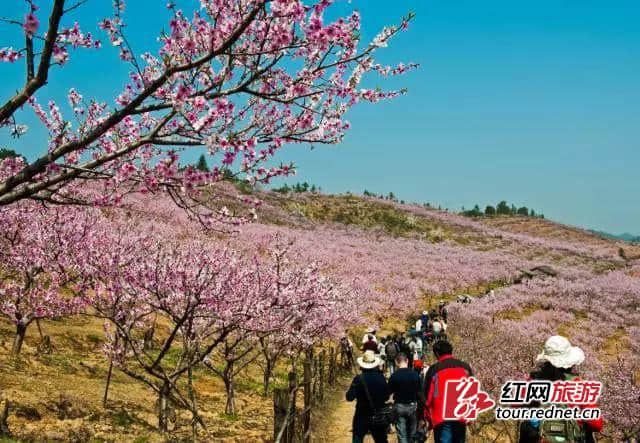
[291, 80]
[31, 24]
[9, 55]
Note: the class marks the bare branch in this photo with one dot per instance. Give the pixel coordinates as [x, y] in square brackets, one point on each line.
[40, 79]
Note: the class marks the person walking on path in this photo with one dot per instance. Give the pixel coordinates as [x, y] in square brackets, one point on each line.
[423, 322]
[420, 368]
[446, 368]
[558, 361]
[346, 352]
[370, 345]
[403, 345]
[390, 352]
[373, 381]
[368, 334]
[442, 311]
[404, 384]
[415, 346]
[439, 328]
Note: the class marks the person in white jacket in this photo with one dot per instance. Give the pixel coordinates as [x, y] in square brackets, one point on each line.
[439, 327]
[415, 346]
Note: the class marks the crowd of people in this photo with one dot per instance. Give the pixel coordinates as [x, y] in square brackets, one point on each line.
[413, 368]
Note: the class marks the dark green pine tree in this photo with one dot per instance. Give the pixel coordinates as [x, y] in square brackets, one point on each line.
[202, 164]
[5, 153]
[503, 208]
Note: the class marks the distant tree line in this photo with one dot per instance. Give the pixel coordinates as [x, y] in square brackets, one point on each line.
[503, 208]
[390, 196]
[298, 188]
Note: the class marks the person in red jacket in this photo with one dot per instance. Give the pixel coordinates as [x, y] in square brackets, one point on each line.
[370, 345]
[446, 368]
[558, 361]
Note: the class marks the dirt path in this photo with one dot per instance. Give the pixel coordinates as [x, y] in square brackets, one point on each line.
[338, 423]
[335, 425]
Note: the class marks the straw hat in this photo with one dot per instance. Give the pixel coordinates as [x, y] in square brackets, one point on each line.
[559, 352]
[369, 360]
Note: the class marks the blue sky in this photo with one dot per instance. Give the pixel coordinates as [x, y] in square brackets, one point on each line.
[533, 102]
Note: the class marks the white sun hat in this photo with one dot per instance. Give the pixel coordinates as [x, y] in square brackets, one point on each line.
[425, 313]
[369, 360]
[559, 352]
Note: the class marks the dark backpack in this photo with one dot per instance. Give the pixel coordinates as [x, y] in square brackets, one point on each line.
[404, 348]
[391, 350]
[568, 431]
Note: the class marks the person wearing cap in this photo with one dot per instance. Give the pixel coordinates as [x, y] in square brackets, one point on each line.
[370, 345]
[371, 331]
[421, 369]
[557, 362]
[378, 389]
[421, 430]
[346, 352]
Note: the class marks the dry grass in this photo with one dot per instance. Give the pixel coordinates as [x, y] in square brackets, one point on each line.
[74, 373]
[616, 343]
[519, 313]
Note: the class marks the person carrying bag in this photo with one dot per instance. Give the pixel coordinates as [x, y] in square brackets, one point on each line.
[381, 417]
[371, 392]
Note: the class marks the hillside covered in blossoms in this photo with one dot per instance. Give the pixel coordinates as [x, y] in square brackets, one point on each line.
[147, 298]
[349, 261]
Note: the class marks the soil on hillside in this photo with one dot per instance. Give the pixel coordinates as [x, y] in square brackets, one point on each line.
[57, 396]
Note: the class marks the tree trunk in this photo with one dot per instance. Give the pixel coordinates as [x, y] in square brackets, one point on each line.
[108, 383]
[308, 387]
[266, 377]
[332, 366]
[106, 386]
[293, 390]
[21, 331]
[147, 338]
[285, 411]
[192, 398]
[280, 411]
[163, 407]
[230, 407]
[323, 357]
[4, 414]
[39, 329]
